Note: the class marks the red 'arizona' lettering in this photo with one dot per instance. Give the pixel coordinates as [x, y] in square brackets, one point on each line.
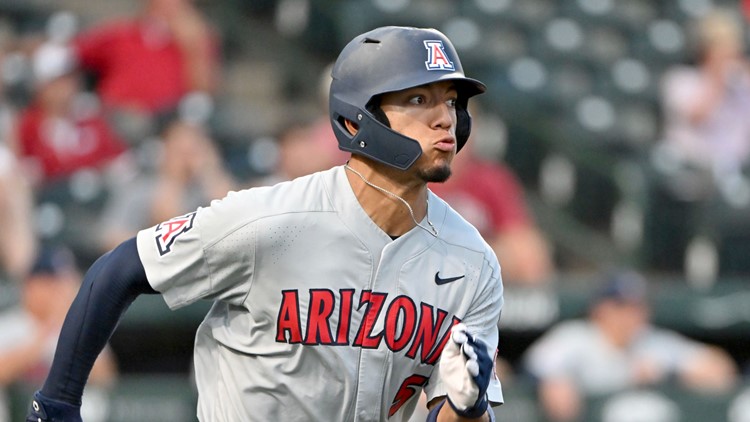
[320, 310]
[288, 329]
[407, 326]
[374, 302]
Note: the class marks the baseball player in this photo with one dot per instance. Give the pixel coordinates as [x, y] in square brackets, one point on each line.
[338, 296]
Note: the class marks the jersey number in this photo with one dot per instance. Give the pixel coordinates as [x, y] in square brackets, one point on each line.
[408, 388]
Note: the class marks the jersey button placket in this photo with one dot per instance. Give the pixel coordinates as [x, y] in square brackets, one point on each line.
[373, 369]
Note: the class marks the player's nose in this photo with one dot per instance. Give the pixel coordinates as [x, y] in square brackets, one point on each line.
[444, 116]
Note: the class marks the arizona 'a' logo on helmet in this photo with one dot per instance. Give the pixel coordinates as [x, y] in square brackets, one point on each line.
[437, 59]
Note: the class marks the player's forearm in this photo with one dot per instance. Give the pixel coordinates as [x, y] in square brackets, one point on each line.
[447, 414]
[109, 287]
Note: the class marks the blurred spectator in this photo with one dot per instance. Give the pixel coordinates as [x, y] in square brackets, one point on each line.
[9, 74]
[304, 149]
[62, 130]
[309, 146]
[617, 348]
[17, 238]
[706, 105]
[187, 172]
[489, 195]
[149, 62]
[28, 333]
[17, 242]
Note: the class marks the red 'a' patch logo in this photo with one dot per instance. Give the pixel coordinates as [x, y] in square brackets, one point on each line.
[437, 59]
[167, 232]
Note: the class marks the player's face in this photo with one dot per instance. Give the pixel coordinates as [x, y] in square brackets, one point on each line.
[427, 114]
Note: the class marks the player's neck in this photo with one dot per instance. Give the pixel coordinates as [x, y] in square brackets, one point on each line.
[376, 189]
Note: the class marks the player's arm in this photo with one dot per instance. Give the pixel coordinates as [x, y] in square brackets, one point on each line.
[465, 369]
[444, 413]
[108, 289]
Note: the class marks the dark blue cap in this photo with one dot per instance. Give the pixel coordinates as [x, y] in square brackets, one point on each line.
[624, 286]
[53, 260]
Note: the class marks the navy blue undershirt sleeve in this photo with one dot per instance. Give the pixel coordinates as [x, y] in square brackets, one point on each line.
[108, 289]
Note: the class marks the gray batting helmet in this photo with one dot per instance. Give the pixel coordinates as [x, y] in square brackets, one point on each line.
[385, 60]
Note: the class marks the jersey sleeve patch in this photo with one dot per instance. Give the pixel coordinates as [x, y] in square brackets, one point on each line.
[168, 231]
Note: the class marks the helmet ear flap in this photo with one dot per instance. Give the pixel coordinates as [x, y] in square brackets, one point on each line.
[373, 106]
[463, 119]
[463, 126]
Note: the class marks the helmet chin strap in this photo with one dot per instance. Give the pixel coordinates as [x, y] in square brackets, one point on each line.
[432, 230]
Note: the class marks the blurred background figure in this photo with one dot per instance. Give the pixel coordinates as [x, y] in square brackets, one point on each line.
[17, 237]
[184, 170]
[29, 331]
[489, 195]
[308, 145]
[706, 105]
[168, 40]
[303, 149]
[62, 130]
[17, 240]
[616, 348]
[703, 156]
[8, 108]
[191, 172]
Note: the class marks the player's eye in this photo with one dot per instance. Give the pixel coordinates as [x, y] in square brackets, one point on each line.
[417, 100]
[452, 102]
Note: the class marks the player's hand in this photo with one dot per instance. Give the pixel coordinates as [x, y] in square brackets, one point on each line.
[465, 369]
[45, 409]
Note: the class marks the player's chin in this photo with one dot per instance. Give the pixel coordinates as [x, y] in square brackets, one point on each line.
[437, 173]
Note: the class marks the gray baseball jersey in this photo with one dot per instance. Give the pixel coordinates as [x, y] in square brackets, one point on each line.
[319, 315]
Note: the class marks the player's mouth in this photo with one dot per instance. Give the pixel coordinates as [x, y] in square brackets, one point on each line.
[447, 144]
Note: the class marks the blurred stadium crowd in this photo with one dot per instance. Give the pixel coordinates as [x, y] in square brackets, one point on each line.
[613, 143]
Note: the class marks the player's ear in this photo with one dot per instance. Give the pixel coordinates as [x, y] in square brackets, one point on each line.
[351, 127]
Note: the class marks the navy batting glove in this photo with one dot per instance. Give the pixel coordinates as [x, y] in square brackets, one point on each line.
[45, 409]
[475, 350]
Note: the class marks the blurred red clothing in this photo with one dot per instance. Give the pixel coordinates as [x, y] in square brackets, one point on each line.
[137, 63]
[61, 146]
[487, 194]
